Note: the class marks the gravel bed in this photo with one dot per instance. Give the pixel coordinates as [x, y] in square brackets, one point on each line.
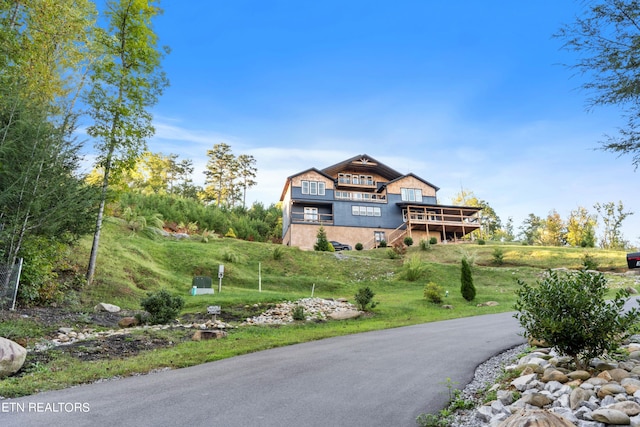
[485, 375]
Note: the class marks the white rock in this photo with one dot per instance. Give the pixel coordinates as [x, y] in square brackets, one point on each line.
[12, 357]
[106, 307]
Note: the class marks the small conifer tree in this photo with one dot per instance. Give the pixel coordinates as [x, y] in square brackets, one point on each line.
[322, 244]
[467, 288]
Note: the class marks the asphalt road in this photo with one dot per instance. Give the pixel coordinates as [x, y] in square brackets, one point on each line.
[383, 378]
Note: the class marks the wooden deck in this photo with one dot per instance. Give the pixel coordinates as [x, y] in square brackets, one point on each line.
[454, 221]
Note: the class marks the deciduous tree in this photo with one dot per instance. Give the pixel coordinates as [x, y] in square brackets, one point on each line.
[605, 38]
[581, 228]
[126, 82]
[612, 217]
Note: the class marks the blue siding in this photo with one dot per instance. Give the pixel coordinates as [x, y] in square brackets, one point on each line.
[390, 215]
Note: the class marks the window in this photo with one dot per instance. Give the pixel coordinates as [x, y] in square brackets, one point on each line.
[366, 211]
[310, 214]
[313, 188]
[411, 194]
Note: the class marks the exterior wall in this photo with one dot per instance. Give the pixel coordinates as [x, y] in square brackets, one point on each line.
[304, 235]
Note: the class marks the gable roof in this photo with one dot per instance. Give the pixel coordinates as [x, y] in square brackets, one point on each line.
[416, 177]
[289, 178]
[365, 164]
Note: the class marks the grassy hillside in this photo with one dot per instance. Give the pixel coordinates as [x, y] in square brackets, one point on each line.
[131, 265]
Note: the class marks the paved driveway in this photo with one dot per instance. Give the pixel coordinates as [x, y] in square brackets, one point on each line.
[382, 378]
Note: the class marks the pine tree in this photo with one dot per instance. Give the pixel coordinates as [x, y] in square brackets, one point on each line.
[322, 244]
[467, 288]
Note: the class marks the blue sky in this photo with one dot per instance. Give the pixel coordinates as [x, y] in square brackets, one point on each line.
[465, 94]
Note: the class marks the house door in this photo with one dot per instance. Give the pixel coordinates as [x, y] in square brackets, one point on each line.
[311, 214]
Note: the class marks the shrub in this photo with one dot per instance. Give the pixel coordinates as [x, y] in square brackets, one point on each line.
[230, 256]
[589, 262]
[298, 313]
[424, 245]
[393, 254]
[413, 268]
[482, 242]
[364, 298]
[382, 244]
[467, 288]
[162, 307]
[359, 246]
[433, 240]
[230, 233]
[408, 241]
[434, 293]
[569, 311]
[277, 253]
[498, 256]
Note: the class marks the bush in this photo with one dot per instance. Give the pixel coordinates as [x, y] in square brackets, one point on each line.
[393, 254]
[277, 253]
[230, 233]
[589, 262]
[481, 242]
[382, 244]
[467, 288]
[498, 256]
[433, 240]
[413, 268]
[434, 293]
[364, 298]
[424, 245]
[162, 307]
[229, 256]
[408, 241]
[298, 313]
[569, 311]
[359, 246]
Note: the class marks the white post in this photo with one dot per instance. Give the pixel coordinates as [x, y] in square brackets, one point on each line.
[313, 288]
[259, 277]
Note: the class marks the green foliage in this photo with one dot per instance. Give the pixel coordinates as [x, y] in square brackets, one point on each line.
[126, 80]
[482, 242]
[230, 233]
[382, 244]
[570, 312]
[393, 254]
[424, 245]
[434, 293]
[589, 262]
[322, 244]
[498, 256]
[298, 313]
[162, 306]
[277, 253]
[359, 246]
[443, 418]
[408, 240]
[413, 268]
[467, 287]
[364, 298]
[230, 256]
[433, 241]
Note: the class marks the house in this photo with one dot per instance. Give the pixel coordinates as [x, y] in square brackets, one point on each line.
[361, 200]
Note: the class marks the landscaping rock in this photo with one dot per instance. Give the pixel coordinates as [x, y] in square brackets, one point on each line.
[201, 335]
[127, 322]
[535, 418]
[110, 308]
[12, 357]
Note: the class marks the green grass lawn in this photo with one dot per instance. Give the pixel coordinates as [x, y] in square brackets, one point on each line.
[132, 265]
